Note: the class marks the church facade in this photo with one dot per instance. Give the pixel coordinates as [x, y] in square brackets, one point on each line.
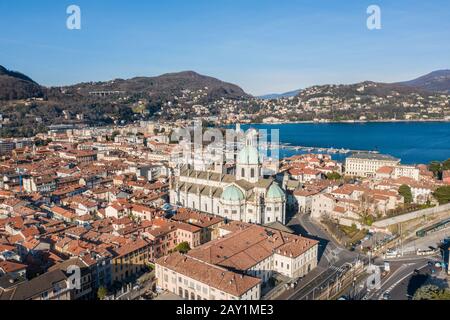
[245, 196]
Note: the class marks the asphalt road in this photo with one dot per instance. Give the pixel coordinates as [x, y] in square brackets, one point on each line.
[406, 288]
[332, 258]
[401, 271]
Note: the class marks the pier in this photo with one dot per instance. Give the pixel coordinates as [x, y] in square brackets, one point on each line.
[331, 150]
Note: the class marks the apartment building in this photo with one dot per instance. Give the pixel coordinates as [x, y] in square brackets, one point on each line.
[130, 260]
[52, 285]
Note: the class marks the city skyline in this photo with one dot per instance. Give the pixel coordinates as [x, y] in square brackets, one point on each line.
[252, 44]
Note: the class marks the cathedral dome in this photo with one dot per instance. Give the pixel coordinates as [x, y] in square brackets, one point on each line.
[275, 192]
[232, 193]
[248, 155]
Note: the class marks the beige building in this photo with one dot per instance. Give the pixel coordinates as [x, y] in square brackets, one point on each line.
[245, 251]
[367, 164]
[397, 172]
[194, 280]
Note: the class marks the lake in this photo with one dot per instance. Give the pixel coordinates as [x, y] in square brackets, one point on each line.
[412, 142]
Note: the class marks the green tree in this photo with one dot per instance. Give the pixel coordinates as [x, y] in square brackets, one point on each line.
[183, 247]
[368, 220]
[114, 135]
[333, 176]
[446, 165]
[435, 167]
[405, 191]
[442, 194]
[101, 293]
[431, 292]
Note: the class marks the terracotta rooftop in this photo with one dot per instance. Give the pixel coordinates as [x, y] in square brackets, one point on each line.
[221, 279]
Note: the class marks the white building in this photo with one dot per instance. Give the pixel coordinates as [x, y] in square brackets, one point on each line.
[234, 266]
[246, 196]
[367, 164]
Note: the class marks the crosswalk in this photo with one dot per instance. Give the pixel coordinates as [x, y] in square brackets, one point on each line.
[338, 269]
[332, 255]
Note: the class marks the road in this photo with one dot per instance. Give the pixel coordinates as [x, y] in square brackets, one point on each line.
[333, 258]
[401, 270]
[405, 289]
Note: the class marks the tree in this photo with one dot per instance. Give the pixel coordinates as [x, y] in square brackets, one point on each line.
[368, 220]
[333, 176]
[446, 165]
[435, 167]
[183, 247]
[114, 135]
[101, 293]
[431, 292]
[442, 194]
[405, 191]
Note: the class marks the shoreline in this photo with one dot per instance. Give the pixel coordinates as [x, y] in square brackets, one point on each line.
[341, 121]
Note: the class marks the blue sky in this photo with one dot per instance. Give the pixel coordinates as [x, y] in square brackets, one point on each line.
[262, 45]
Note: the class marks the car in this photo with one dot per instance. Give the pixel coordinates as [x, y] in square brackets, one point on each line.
[386, 296]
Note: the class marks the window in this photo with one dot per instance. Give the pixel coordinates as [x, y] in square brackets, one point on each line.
[252, 173]
[242, 172]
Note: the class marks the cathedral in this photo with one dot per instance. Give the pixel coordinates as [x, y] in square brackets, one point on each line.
[245, 196]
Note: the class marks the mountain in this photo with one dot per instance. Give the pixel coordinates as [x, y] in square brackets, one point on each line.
[437, 81]
[167, 96]
[15, 85]
[280, 95]
[362, 89]
[166, 86]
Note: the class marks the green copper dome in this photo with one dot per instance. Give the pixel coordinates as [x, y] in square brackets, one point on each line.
[232, 193]
[275, 192]
[248, 155]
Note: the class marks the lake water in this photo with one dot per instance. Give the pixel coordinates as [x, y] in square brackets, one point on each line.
[412, 142]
